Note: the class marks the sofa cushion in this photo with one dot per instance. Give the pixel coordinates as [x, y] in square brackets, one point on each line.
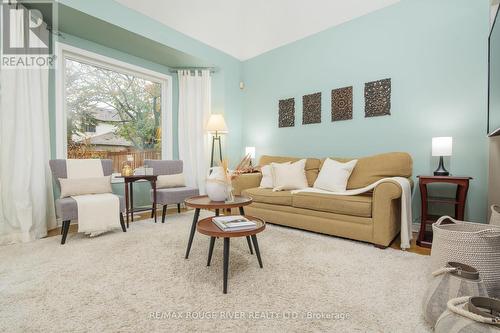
[370, 169]
[312, 165]
[266, 195]
[290, 176]
[355, 205]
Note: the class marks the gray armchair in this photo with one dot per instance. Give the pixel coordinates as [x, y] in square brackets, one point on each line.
[174, 195]
[67, 208]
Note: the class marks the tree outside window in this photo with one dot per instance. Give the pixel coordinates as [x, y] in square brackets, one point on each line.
[111, 115]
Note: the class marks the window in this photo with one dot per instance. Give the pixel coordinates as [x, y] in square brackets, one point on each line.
[90, 128]
[113, 112]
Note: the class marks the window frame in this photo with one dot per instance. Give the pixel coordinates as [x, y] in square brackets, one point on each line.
[65, 51]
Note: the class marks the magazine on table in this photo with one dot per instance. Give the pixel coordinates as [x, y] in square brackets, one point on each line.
[233, 223]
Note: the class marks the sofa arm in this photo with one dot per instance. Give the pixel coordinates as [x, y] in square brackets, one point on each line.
[246, 180]
[386, 213]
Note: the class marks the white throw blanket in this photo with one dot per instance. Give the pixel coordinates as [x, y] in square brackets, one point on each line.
[406, 214]
[97, 213]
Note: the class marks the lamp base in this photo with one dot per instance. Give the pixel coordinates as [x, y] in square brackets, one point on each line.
[441, 171]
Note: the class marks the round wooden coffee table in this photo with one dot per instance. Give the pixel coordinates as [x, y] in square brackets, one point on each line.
[207, 227]
[204, 202]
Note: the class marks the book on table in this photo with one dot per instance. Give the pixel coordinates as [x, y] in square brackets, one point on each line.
[233, 223]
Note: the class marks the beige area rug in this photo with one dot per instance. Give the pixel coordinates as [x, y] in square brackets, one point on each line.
[139, 281]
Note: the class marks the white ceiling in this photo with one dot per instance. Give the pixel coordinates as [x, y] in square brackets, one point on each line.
[247, 28]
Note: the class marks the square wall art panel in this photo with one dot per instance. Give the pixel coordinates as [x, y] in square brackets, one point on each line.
[286, 112]
[342, 104]
[378, 98]
[311, 109]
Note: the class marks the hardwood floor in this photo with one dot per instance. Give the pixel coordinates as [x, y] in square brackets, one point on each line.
[145, 215]
[414, 247]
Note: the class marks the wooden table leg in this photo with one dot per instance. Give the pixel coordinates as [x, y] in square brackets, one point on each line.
[126, 201]
[226, 263]
[423, 215]
[249, 245]
[242, 213]
[461, 197]
[131, 201]
[210, 250]
[193, 230]
[256, 246]
[154, 197]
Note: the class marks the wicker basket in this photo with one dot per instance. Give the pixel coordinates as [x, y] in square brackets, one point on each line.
[473, 244]
[470, 314]
[452, 281]
[495, 215]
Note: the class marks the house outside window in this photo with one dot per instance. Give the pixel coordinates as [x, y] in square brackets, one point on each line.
[112, 113]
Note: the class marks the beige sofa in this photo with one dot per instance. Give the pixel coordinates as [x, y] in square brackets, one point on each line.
[371, 217]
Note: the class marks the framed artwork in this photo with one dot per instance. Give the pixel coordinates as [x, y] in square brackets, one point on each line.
[286, 117]
[342, 104]
[311, 109]
[378, 98]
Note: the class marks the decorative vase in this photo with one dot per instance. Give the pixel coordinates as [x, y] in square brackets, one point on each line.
[229, 192]
[470, 314]
[453, 280]
[216, 184]
[495, 215]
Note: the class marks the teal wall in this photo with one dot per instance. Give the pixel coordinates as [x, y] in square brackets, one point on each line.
[435, 51]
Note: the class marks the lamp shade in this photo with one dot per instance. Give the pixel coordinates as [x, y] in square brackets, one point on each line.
[442, 146]
[251, 151]
[216, 123]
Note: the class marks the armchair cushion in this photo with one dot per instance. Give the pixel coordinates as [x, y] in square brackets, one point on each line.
[67, 208]
[174, 195]
[168, 181]
[82, 186]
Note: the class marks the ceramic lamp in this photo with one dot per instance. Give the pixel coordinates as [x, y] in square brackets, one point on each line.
[442, 146]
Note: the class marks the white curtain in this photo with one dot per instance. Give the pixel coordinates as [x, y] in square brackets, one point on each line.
[194, 110]
[26, 198]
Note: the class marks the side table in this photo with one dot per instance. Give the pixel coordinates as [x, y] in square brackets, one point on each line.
[425, 239]
[204, 202]
[207, 227]
[129, 195]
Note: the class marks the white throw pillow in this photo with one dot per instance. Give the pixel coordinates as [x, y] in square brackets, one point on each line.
[167, 181]
[267, 176]
[82, 186]
[289, 176]
[334, 175]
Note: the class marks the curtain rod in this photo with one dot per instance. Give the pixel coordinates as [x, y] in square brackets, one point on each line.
[175, 70]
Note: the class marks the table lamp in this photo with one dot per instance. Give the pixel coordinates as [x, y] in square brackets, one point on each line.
[250, 151]
[216, 125]
[442, 146]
